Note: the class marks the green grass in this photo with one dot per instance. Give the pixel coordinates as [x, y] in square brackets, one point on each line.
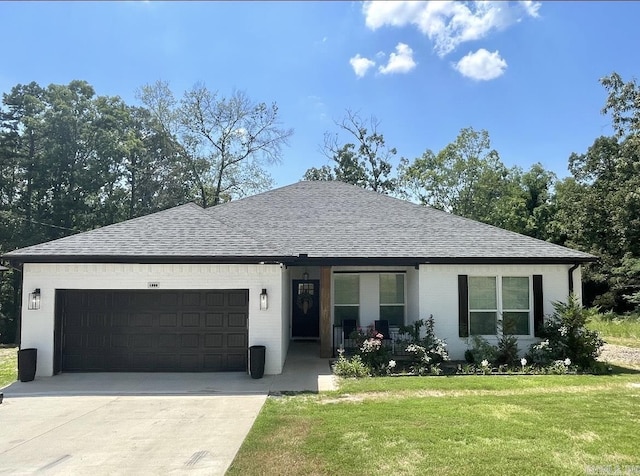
[463, 425]
[8, 365]
[621, 330]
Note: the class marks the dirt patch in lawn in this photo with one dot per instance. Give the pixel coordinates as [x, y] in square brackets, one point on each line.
[257, 457]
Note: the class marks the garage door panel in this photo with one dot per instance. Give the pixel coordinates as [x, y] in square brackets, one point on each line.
[238, 299]
[214, 299]
[168, 361]
[189, 341]
[214, 320]
[190, 361]
[155, 330]
[119, 341]
[119, 319]
[170, 299]
[141, 341]
[73, 340]
[191, 299]
[168, 319]
[168, 341]
[96, 361]
[96, 301]
[121, 299]
[214, 362]
[143, 361]
[237, 320]
[96, 319]
[97, 341]
[190, 319]
[143, 300]
[75, 320]
[237, 362]
[140, 319]
[214, 341]
[236, 341]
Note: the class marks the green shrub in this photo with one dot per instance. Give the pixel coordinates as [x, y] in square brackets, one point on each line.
[427, 352]
[351, 368]
[507, 351]
[481, 350]
[567, 337]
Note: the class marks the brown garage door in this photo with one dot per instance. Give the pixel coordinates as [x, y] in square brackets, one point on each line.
[152, 331]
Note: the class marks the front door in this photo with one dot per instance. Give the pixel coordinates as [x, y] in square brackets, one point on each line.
[305, 309]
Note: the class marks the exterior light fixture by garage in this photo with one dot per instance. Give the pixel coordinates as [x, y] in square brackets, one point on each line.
[34, 299]
[264, 304]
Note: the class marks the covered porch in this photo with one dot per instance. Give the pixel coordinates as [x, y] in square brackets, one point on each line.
[328, 303]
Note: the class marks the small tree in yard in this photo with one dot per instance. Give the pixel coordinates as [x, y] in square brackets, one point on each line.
[567, 337]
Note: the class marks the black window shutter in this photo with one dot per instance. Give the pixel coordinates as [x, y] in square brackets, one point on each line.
[538, 305]
[463, 306]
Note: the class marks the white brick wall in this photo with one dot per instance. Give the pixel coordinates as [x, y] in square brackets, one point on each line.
[439, 295]
[265, 327]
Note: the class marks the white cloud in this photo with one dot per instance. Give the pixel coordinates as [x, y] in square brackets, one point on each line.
[361, 65]
[482, 65]
[448, 23]
[531, 7]
[399, 62]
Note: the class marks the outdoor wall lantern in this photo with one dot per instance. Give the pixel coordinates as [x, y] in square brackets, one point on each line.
[305, 275]
[264, 304]
[34, 299]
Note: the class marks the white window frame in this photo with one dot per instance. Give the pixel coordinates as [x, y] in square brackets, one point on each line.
[404, 298]
[499, 303]
[333, 297]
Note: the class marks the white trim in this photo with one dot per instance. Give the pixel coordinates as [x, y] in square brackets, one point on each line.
[499, 302]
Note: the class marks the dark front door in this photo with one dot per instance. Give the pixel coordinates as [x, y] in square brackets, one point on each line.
[305, 309]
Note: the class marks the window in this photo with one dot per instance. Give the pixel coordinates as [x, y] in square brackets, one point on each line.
[489, 302]
[392, 298]
[483, 305]
[515, 305]
[346, 297]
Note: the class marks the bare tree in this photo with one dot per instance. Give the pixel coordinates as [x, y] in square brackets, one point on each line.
[227, 141]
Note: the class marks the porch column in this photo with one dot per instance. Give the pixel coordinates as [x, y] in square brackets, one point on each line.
[325, 311]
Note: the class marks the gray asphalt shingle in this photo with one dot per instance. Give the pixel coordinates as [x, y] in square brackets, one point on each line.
[320, 219]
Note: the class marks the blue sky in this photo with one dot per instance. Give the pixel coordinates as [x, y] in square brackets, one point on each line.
[525, 71]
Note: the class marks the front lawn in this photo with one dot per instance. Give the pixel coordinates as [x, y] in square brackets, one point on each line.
[8, 365]
[451, 425]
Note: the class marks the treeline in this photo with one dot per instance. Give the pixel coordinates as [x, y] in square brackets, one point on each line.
[71, 160]
[596, 209]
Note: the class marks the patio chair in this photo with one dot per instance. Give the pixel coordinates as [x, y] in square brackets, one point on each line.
[349, 326]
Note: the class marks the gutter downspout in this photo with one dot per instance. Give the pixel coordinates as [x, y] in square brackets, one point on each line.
[571, 270]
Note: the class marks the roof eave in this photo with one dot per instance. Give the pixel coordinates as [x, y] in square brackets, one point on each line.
[147, 259]
[301, 260]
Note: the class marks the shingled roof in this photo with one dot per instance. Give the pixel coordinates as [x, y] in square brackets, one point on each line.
[324, 222]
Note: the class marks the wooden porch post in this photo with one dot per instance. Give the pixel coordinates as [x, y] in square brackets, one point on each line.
[325, 312]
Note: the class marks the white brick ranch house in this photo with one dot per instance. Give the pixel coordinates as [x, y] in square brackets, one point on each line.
[190, 289]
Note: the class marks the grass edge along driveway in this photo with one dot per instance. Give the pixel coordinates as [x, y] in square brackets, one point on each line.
[463, 425]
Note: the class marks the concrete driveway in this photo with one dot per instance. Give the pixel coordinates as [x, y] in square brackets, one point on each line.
[127, 423]
[143, 423]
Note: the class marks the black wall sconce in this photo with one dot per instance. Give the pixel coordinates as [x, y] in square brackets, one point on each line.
[34, 299]
[264, 303]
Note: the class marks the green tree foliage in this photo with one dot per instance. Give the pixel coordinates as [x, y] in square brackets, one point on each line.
[468, 178]
[225, 141]
[364, 161]
[71, 160]
[599, 205]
